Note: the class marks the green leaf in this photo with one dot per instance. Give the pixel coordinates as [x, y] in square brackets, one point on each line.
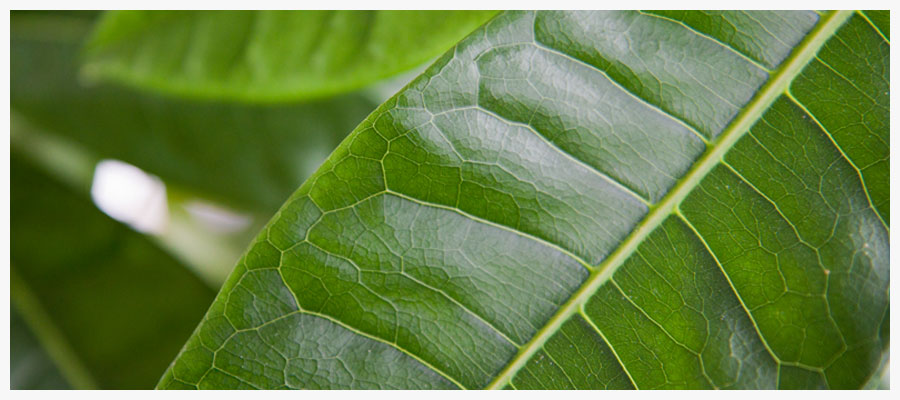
[247, 156]
[269, 55]
[110, 308]
[586, 200]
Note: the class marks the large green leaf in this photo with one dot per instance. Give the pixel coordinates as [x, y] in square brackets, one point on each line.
[587, 200]
[110, 308]
[247, 156]
[269, 55]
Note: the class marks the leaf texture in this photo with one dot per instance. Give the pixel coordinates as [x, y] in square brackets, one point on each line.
[269, 55]
[587, 200]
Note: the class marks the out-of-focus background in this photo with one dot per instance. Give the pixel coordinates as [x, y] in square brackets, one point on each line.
[148, 148]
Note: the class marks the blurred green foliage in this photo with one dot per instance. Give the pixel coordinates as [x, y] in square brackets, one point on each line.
[123, 305]
[250, 157]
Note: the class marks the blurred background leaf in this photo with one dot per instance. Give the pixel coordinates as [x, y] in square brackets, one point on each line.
[250, 157]
[269, 55]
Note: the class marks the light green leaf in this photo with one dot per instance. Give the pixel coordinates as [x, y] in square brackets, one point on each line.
[586, 200]
[110, 308]
[269, 55]
[247, 156]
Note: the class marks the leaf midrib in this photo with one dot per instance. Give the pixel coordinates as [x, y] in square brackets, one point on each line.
[776, 86]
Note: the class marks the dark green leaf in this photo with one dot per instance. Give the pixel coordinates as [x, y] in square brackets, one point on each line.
[112, 304]
[587, 200]
[269, 55]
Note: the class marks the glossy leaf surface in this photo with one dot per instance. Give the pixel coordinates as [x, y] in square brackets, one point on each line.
[587, 200]
[269, 55]
[111, 305]
[247, 156]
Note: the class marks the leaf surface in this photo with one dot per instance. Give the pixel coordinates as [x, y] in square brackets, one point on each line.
[587, 200]
[269, 55]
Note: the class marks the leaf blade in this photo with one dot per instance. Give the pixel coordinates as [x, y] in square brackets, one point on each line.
[269, 55]
[382, 198]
